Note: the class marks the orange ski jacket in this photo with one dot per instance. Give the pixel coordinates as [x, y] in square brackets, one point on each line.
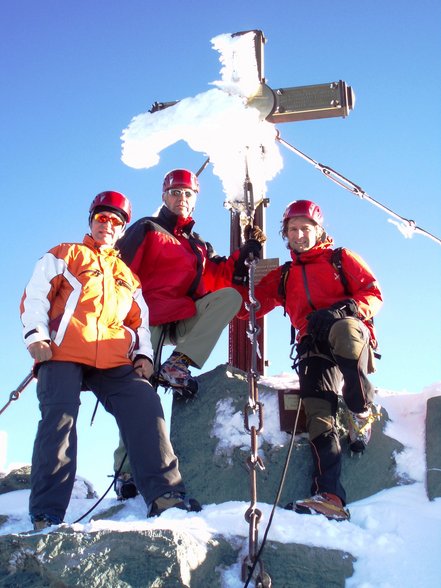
[85, 301]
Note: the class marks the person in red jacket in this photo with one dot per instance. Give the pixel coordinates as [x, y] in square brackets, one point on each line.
[85, 323]
[187, 287]
[330, 297]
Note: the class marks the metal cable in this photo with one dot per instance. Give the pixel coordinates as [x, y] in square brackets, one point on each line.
[406, 227]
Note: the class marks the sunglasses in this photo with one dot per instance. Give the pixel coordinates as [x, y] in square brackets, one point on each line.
[178, 193]
[104, 218]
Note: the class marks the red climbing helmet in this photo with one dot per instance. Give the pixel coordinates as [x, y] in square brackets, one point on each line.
[303, 208]
[180, 178]
[112, 201]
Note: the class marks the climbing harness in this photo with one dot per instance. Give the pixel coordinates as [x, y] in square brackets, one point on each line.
[15, 394]
[405, 226]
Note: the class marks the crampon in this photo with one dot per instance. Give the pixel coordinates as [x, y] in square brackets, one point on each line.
[325, 504]
[360, 428]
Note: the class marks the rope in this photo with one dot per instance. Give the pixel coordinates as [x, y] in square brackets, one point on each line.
[295, 367]
[406, 227]
[114, 477]
[278, 495]
[157, 363]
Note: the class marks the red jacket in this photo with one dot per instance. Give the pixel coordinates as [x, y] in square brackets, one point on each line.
[313, 283]
[175, 266]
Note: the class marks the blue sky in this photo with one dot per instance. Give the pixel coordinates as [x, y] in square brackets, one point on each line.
[75, 73]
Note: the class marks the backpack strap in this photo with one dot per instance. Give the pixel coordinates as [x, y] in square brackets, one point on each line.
[282, 292]
[336, 262]
[282, 284]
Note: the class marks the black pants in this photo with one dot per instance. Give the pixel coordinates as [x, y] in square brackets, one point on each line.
[323, 368]
[137, 409]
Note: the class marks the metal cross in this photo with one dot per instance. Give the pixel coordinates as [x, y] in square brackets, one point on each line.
[334, 99]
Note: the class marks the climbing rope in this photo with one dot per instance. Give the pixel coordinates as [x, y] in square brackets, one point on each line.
[405, 226]
[278, 495]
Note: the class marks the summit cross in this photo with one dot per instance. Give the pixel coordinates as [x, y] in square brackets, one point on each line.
[329, 100]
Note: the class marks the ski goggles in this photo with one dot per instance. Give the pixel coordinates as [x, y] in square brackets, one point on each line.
[104, 218]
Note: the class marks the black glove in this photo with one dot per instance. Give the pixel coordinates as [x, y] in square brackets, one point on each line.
[254, 246]
[320, 321]
[251, 246]
[240, 274]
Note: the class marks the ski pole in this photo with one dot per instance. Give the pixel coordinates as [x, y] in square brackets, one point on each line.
[15, 394]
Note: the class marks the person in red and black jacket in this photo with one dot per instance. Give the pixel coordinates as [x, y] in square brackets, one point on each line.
[330, 296]
[187, 286]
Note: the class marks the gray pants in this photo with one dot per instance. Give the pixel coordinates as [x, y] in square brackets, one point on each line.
[195, 338]
[138, 412]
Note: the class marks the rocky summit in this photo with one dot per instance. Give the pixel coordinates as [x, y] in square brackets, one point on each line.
[213, 449]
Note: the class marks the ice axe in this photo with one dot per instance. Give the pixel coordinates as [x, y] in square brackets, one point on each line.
[15, 394]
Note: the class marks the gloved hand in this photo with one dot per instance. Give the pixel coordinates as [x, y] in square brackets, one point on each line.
[251, 246]
[320, 321]
[255, 237]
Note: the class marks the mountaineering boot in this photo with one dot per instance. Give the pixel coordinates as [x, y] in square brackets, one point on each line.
[359, 429]
[174, 373]
[125, 487]
[325, 503]
[173, 500]
[41, 522]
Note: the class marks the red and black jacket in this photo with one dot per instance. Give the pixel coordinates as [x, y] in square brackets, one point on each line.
[174, 265]
[313, 282]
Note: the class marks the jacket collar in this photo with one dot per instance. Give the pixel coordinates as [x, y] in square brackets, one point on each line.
[174, 223]
[312, 253]
[92, 244]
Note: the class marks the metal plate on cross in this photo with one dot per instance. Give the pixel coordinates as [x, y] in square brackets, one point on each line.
[264, 267]
[288, 407]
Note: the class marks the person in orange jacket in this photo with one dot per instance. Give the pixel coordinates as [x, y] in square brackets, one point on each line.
[85, 323]
[330, 297]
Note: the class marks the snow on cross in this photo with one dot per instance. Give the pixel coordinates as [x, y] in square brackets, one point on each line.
[217, 122]
[233, 123]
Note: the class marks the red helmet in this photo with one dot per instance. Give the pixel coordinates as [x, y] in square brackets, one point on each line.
[180, 178]
[303, 208]
[115, 201]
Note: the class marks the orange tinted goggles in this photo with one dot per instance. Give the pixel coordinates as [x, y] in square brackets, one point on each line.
[104, 218]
